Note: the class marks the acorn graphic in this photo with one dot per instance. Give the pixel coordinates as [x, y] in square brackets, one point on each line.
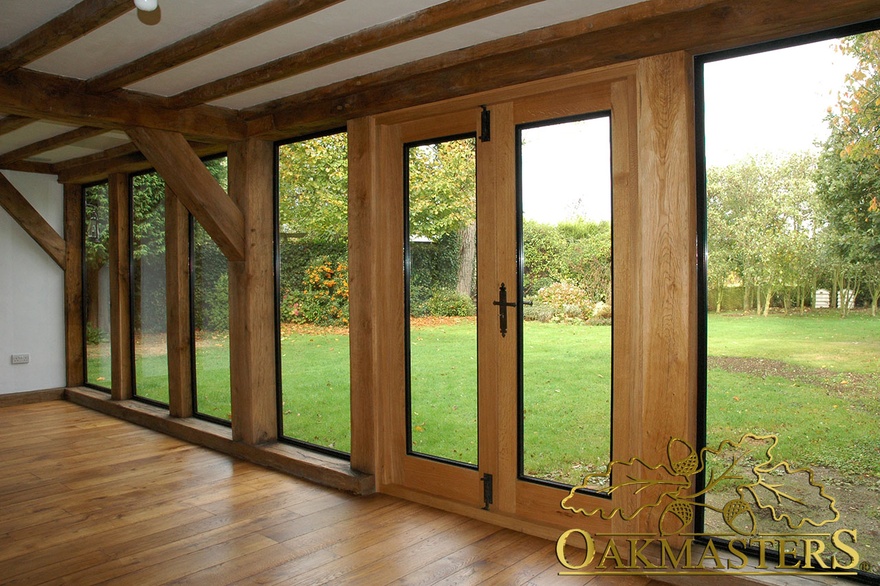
[686, 466]
[738, 515]
[676, 516]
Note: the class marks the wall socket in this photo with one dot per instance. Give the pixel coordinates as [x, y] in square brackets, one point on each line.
[21, 358]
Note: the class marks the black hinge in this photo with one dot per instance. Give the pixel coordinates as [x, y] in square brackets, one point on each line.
[487, 490]
[485, 125]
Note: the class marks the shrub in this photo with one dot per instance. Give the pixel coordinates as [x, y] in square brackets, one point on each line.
[418, 300]
[447, 302]
[567, 301]
[324, 299]
[543, 247]
[538, 312]
[216, 309]
[290, 306]
[95, 335]
[602, 311]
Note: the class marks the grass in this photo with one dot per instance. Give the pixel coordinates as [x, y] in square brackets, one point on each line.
[315, 388]
[824, 401]
[818, 339]
[443, 366]
[566, 400]
[822, 417]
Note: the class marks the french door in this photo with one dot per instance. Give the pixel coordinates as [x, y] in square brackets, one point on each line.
[507, 392]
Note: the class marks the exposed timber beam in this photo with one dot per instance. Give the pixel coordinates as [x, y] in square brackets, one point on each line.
[30, 167]
[230, 31]
[419, 24]
[125, 158]
[61, 30]
[193, 184]
[31, 221]
[12, 122]
[55, 142]
[581, 45]
[38, 95]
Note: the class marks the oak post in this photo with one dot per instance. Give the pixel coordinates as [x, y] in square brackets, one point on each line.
[180, 391]
[120, 287]
[667, 285]
[73, 285]
[363, 191]
[252, 295]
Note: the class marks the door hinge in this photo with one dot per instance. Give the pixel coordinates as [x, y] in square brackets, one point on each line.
[485, 125]
[487, 490]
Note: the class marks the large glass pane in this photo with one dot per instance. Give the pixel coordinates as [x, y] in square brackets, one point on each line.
[313, 279]
[210, 315]
[96, 285]
[793, 274]
[149, 324]
[565, 198]
[441, 243]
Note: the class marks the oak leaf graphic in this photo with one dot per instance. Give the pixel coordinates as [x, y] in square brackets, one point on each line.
[745, 469]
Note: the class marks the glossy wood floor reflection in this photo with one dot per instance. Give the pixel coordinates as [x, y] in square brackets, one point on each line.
[89, 499]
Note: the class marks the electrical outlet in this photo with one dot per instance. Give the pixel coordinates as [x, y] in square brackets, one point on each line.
[21, 358]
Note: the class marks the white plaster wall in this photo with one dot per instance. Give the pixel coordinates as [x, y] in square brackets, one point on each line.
[31, 293]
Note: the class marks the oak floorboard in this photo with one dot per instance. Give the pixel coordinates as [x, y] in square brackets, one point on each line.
[89, 499]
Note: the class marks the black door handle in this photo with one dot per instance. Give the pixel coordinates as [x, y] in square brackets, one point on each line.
[503, 304]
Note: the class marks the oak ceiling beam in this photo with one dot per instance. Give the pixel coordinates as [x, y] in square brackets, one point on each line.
[39, 95]
[125, 158]
[12, 122]
[554, 51]
[84, 17]
[419, 24]
[30, 167]
[230, 31]
[193, 184]
[31, 221]
[54, 142]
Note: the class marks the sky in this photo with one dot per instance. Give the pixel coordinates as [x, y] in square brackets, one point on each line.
[774, 101]
[559, 181]
[771, 102]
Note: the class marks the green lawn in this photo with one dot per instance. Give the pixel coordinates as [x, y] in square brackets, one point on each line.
[813, 380]
[826, 414]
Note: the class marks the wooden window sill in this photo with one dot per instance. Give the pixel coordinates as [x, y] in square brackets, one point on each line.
[314, 466]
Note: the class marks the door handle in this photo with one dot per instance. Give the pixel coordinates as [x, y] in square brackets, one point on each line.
[503, 304]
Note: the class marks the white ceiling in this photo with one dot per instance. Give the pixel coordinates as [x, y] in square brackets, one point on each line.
[130, 36]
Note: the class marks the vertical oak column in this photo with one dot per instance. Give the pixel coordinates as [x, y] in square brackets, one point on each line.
[73, 285]
[667, 278]
[252, 295]
[120, 287]
[180, 391]
[363, 190]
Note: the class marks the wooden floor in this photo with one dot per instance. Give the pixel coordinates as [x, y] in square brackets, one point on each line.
[89, 499]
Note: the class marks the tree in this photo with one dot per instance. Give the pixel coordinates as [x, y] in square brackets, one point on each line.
[849, 174]
[763, 226]
[857, 115]
[313, 188]
[442, 199]
[847, 185]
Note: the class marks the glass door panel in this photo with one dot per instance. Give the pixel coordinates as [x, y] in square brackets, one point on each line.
[212, 396]
[440, 245]
[148, 287]
[96, 285]
[315, 377]
[565, 341]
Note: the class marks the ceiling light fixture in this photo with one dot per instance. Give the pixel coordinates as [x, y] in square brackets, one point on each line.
[146, 5]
